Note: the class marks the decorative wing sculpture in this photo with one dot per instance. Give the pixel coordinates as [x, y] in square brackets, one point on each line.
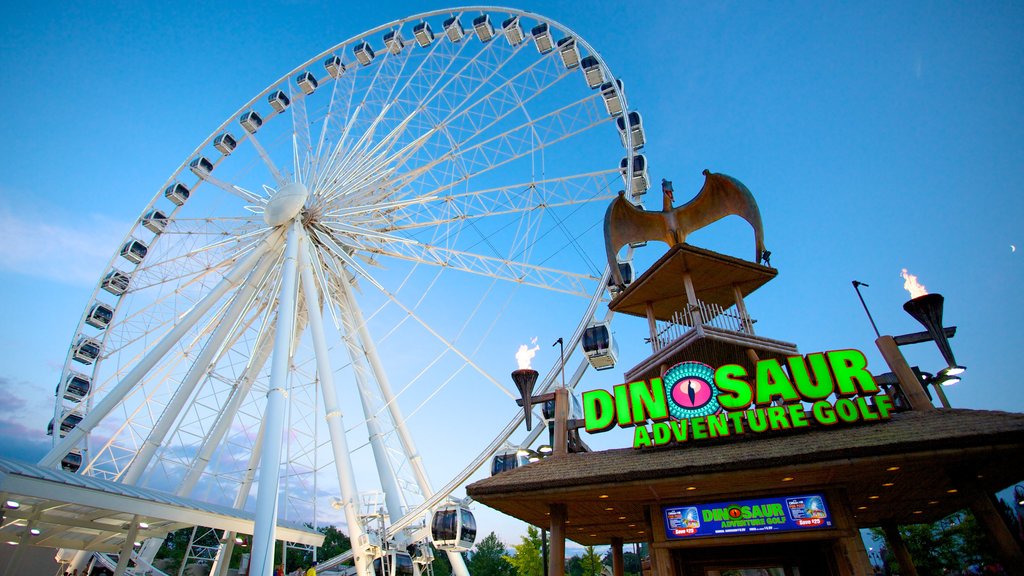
[721, 196]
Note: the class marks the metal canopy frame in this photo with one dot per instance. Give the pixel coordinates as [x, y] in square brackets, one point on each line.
[89, 513]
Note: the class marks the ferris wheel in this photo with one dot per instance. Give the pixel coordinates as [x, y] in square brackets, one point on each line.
[329, 291]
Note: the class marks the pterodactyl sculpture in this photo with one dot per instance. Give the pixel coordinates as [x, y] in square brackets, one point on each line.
[721, 196]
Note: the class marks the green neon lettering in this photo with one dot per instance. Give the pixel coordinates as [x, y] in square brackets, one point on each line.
[797, 416]
[777, 417]
[622, 405]
[734, 393]
[824, 413]
[810, 389]
[737, 421]
[598, 411]
[883, 403]
[757, 420]
[698, 428]
[846, 410]
[648, 401]
[850, 368]
[718, 425]
[662, 433]
[641, 439]
[772, 382]
[866, 412]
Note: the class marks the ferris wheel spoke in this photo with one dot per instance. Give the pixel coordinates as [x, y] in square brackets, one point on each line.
[262, 152]
[515, 198]
[232, 189]
[550, 279]
[302, 147]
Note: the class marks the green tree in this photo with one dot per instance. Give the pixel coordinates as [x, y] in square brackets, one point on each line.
[489, 558]
[590, 562]
[951, 544]
[574, 567]
[630, 562]
[527, 560]
[442, 566]
[335, 543]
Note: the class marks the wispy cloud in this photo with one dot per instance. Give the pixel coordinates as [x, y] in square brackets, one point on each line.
[37, 244]
[20, 425]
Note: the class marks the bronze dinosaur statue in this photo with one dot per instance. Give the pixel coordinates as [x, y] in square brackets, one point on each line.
[720, 196]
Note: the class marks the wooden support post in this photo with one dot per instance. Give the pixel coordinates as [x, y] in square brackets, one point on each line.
[999, 536]
[652, 325]
[899, 548]
[741, 307]
[556, 559]
[694, 305]
[618, 565]
[909, 383]
[561, 447]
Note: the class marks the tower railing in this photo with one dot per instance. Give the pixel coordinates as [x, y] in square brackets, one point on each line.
[710, 314]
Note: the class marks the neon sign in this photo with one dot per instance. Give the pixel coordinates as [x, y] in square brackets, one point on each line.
[776, 514]
[695, 401]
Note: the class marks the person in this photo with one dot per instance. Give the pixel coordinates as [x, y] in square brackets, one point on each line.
[279, 570]
[311, 571]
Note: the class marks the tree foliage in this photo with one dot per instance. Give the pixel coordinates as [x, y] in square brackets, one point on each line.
[590, 562]
[527, 560]
[951, 544]
[489, 558]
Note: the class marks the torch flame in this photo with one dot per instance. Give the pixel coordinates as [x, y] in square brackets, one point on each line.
[525, 354]
[910, 284]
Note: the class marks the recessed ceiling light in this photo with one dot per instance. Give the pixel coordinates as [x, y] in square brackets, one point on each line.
[12, 542]
[632, 525]
[887, 484]
[862, 507]
[622, 517]
[933, 501]
[691, 487]
[603, 496]
[787, 479]
[593, 535]
[13, 504]
[34, 531]
[872, 497]
[609, 509]
[951, 491]
[918, 512]
[892, 468]
[143, 525]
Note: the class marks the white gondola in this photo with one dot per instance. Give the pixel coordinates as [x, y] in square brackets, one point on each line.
[251, 121]
[627, 274]
[483, 27]
[453, 528]
[639, 176]
[134, 251]
[393, 563]
[307, 82]
[155, 221]
[364, 54]
[612, 102]
[225, 143]
[636, 138]
[177, 193]
[453, 28]
[542, 38]
[424, 34]
[569, 52]
[508, 460]
[334, 66]
[200, 166]
[599, 346]
[86, 350]
[393, 42]
[592, 71]
[67, 424]
[279, 101]
[513, 31]
[116, 282]
[72, 461]
[76, 386]
[99, 316]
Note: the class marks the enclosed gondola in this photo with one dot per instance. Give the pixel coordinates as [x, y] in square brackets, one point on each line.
[592, 71]
[76, 386]
[155, 221]
[364, 54]
[393, 563]
[639, 174]
[599, 346]
[225, 143]
[116, 282]
[423, 33]
[99, 315]
[334, 66]
[86, 350]
[67, 424]
[453, 528]
[542, 38]
[307, 82]
[508, 459]
[72, 461]
[134, 251]
[612, 102]
[631, 130]
[393, 42]
[177, 193]
[626, 271]
[251, 121]
[200, 166]
[279, 101]
[483, 27]
[513, 30]
[569, 52]
[453, 29]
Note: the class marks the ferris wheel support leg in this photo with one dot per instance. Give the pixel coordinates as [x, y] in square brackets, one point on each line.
[333, 414]
[220, 566]
[405, 438]
[277, 400]
[118, 393]
[195, 373]
[393, 499]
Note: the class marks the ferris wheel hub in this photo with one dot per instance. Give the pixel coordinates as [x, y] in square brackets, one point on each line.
[286, 204]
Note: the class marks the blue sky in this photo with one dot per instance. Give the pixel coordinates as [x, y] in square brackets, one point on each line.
[874, 136]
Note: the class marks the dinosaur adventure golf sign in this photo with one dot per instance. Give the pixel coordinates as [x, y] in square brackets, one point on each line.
[695, 402]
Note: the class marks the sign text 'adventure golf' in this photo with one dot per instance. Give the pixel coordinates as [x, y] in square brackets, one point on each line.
[695, 401]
